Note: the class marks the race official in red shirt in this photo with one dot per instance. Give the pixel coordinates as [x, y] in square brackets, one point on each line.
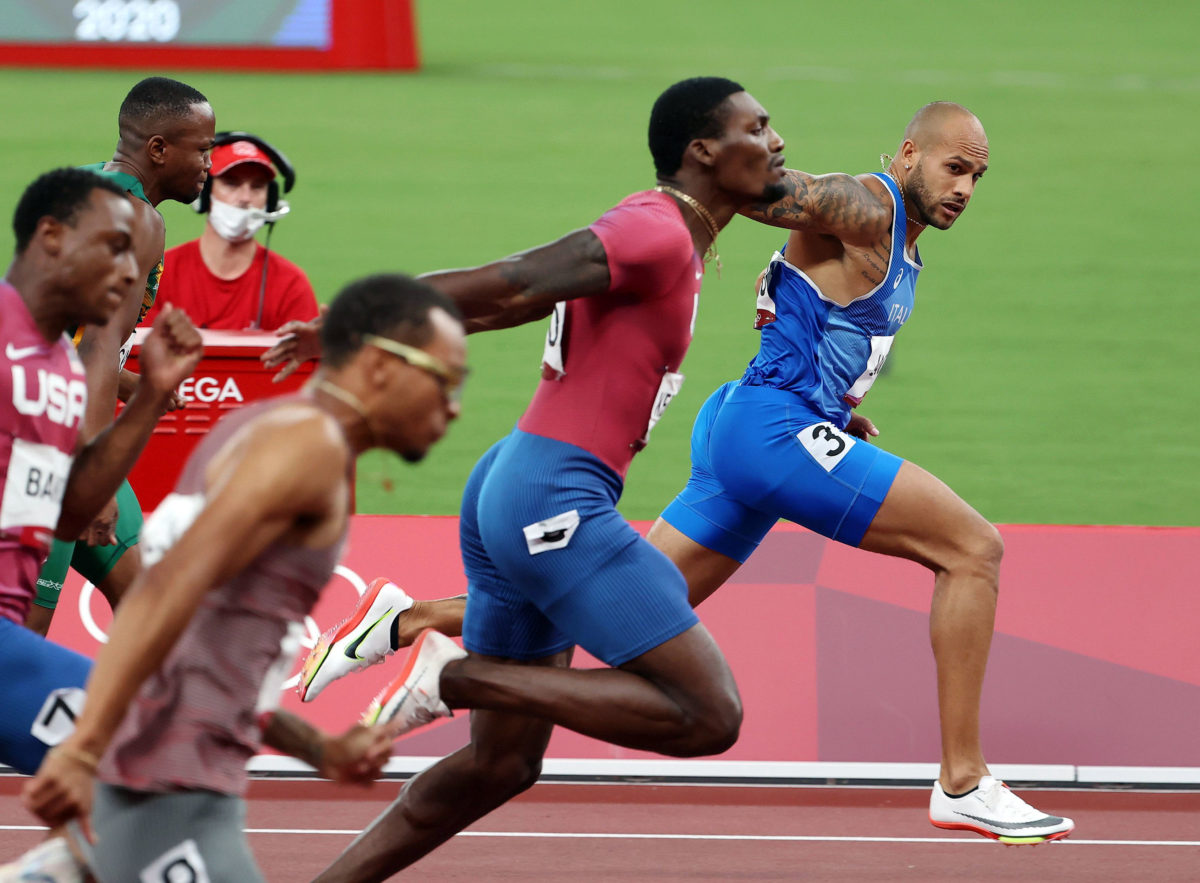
[226, 279]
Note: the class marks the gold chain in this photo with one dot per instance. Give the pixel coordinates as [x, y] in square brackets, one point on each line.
[342, 395]
[885, 160]
[711, 253]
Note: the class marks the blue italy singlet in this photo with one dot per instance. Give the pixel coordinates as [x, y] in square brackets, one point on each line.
[771, 446]
[827, 354]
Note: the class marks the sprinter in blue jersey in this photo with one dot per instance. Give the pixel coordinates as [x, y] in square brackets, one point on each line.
[784, 442]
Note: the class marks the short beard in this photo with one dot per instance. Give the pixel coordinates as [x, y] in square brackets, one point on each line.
[773, 193]
[914, 184]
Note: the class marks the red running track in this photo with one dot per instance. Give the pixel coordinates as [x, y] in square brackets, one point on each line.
[610, 833]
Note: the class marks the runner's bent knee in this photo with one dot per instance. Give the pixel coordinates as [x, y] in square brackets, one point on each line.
[981, 551]
[691, 670]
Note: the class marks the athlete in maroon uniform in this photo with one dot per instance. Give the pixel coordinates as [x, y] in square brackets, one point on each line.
[75, 256]
[625, 349]
[198, 650]
[550, 562]
[43, 394]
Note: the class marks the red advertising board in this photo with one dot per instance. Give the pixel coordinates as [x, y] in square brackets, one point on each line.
[1093, 665]
[211, 34]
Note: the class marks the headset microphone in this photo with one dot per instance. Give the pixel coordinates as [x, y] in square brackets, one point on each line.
[270, 217]
[276, 207]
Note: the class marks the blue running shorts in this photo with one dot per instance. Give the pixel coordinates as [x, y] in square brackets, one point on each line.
[41, 696]
[551, 563]
[760, 454]
[704, 511]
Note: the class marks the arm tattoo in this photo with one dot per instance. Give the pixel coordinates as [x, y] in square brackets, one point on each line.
[837, 204]
[876, 258]
[878, 271]
[846, 207]
[787, 211]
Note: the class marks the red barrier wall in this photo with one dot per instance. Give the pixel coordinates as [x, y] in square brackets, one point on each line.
[1094, 659]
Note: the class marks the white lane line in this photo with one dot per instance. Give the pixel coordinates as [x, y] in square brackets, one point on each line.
[757, 838]
[1056, 81]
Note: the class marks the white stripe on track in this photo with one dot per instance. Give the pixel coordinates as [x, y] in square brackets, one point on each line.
[756, 838]
[1025, 80]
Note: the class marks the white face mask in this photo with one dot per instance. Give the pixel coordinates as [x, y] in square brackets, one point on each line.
[239, 224]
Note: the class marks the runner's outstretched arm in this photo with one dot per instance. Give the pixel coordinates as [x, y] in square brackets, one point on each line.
[837, 204]
[170, 354]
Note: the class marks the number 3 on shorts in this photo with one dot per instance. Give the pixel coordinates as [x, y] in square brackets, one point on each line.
[826, 443]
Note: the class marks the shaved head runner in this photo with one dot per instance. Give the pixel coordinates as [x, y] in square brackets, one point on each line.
[784, 441]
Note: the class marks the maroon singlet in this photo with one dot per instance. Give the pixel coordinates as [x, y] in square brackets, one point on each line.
[611, 363]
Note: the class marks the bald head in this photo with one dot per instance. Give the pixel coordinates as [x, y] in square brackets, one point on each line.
[943, 155]
[938, 121]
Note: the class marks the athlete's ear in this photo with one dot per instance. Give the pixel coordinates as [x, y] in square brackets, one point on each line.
[49, 234]
[700, 151]
[908, 154]
[156, 149]
[376, 366]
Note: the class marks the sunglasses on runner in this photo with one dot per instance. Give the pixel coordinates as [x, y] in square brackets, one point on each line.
[451, 380]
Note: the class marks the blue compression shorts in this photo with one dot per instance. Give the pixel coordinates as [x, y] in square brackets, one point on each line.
[760, 454]
[41, 696]
[551, 563]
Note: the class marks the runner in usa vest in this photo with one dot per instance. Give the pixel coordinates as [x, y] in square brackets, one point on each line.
[42, 397]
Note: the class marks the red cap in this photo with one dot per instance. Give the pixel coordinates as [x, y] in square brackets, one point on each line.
[227, 156]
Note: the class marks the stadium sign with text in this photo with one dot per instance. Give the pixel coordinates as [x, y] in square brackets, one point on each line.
[265, 35]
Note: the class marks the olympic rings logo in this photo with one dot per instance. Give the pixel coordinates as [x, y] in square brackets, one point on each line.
[312, 631]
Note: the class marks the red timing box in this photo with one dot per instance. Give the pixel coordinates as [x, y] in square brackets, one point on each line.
[229, 376]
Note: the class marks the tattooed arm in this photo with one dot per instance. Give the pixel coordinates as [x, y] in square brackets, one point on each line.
[524, 287]
[838, 205]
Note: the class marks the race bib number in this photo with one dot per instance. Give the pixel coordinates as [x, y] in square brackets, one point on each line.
[667, 390]
[880, 347]
[826, 443]
[169, 522]
[553, 356]
[34, 485]
[277, 674]
[179, 864]
[56, 719]
[764, 303]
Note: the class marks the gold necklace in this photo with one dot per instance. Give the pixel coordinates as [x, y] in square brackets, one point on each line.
[711, 253]
[885, 160]
[342, 395]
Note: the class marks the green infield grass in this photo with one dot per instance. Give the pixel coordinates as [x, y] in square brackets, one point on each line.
[1048, 373]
